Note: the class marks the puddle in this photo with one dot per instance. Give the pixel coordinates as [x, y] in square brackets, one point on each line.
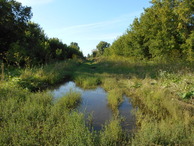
[94, 102]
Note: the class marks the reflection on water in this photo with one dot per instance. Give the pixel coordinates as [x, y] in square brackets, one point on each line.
[94, 102]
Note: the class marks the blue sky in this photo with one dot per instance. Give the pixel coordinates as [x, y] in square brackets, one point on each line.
[86, 22]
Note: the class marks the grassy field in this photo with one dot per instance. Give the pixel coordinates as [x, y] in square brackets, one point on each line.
[162, 92]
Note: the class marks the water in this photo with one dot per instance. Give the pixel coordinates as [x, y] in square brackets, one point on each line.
[94, 102]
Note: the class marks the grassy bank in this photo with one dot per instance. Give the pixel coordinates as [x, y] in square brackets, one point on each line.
[42, 77]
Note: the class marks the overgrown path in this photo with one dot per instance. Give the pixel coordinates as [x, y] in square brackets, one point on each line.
[29, 117]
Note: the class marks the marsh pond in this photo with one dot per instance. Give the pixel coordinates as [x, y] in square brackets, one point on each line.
[94, 103]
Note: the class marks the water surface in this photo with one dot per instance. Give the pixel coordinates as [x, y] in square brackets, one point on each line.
[94, 102]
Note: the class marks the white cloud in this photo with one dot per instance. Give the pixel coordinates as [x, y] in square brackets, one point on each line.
[34, 2]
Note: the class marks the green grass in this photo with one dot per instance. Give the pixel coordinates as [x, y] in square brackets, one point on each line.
[87, 82]
[34, 119]
[39, 78]
[162, 93]
[114, 98]
[70, 100]
[112, 134]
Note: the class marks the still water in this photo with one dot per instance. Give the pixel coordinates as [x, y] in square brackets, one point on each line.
[94, 102]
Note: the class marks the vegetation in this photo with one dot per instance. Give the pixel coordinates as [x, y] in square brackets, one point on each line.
[33, 119]
[152, 63]
[164, 32]
[24, 43]
[114, 98]
[112, 134]
[69, 101]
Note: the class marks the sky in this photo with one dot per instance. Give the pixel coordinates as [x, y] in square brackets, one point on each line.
[86, 22]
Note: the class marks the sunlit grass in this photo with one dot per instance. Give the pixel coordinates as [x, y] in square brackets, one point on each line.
[112, 134]
[70, 100]
[34, 119]
[40, 78]
[162, 93]
[114, 98]
[87, 82]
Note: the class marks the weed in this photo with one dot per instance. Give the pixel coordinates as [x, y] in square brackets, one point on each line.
[69, 101]
[115, 98]
[112, 134]
[87, 82]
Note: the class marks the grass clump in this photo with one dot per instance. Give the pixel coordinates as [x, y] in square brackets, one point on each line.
[70, 100]
[164, 132]
[114, 98]
[87, 82]
[39, 78]
[112, 134]
[110, 84]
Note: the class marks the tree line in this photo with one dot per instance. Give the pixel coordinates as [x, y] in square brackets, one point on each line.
[23, 42]
[165, 31]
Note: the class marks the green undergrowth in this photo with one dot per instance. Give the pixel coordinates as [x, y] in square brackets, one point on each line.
[34, 119]
[114, 98]
[70, 100]
[87, 82]
[29, 118]
[39, 78]
[161, 93]
[112, 134]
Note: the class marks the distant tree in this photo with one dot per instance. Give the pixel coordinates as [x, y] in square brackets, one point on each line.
[74, 51]
[94, 53]
[101, 46]
[88, 56]
[74, 45]
[59, 51]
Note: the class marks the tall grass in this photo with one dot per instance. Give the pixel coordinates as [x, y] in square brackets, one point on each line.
[114, 98]
[161, 92]
[112, 134]
[70, 100]
[33, 119]
[87, 82]
[42, 77]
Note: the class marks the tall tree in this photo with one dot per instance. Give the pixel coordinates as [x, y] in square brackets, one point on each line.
[13, 23]
[101, 46]
[163, 31]
[74, 45]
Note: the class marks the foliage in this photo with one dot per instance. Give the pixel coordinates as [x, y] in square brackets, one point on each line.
[24, 43]
[163, 32]
[114, 98]
[43, 77]
[33, 119]
[162, 117]
[69, 101]
[112, 134]
[101, 47]
[87, 82]
[13, 22]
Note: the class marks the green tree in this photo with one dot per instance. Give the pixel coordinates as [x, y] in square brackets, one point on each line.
[74, 45]
[13, 23]
[101, 46]
[162, 32]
